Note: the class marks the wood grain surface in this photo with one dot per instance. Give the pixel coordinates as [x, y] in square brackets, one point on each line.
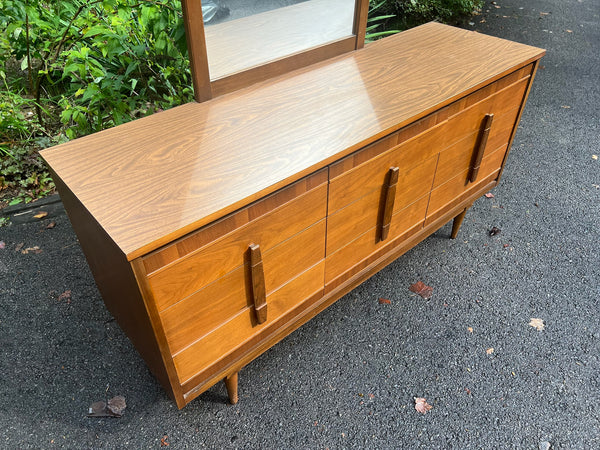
[156, 179]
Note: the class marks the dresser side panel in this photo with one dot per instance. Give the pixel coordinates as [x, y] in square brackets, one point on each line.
[116, 282]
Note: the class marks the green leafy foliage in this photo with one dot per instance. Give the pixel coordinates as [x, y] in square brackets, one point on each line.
[410, 13]
[78, 66]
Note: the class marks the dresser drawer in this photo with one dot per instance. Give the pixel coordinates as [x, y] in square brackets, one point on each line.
[347, 261]
[222, 341]
[215, 304]
[197, 269]
[346, 224]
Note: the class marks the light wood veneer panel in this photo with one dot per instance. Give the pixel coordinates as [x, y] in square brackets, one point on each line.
[458, 185]
[222, 341]
[210, 307]
[459, 156]
[156, 179]
[344, 225]
[187, 275]
[344, 259]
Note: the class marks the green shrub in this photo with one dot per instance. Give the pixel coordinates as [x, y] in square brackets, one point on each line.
[410, 13]
[100, 63]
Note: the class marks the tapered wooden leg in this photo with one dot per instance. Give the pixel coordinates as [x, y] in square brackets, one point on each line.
[457, 223]
[231, 383]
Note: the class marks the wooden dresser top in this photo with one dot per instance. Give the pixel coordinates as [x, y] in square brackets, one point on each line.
[156, 179]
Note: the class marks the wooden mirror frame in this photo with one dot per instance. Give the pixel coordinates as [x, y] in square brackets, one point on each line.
[205, 89]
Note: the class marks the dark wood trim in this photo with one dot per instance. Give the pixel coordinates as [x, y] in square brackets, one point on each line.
[361, 14]
[196, 43]
[388, 205]
[480, 147]
[257, 274]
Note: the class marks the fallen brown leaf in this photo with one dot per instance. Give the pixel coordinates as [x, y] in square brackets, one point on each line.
[34, 249]
[468, 391]
[490, 350]
[50, 225]
[19, 246]
[470, 329]
[65, 296]
[163, 441]
[385, 301]
[114, 408]
[494, 231]
[116, 405]
[41, 215]
[422, 289]
[421, 405]
[569, 31]
[538, 324]
[489, 195]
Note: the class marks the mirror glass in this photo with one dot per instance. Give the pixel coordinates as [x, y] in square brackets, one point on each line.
[241, 34]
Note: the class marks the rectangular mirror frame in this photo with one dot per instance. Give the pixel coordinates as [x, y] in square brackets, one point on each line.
[205, 89]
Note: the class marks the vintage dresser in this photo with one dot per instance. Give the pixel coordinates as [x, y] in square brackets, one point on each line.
[215, 229]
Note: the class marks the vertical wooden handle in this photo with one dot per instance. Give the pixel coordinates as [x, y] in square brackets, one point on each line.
[480, 149]
[388, 206]
[258, 283]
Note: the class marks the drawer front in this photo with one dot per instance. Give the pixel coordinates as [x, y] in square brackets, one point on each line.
[211, 307]
[191, 273]
[218, 344]
[458, 157]
[345, 261]
[346, 224]
[444, 196]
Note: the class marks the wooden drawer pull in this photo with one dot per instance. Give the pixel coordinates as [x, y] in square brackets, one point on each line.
[480, 149]
[258, 283]
[390, 197]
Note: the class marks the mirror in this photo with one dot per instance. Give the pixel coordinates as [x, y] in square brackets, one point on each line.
[243, 34]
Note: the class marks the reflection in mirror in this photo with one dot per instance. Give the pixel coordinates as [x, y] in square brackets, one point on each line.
[241, 34]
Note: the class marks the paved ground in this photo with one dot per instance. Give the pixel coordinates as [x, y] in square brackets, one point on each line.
[348, 378]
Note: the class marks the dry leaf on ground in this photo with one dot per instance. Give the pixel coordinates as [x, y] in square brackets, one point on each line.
[34, 249]
[489, 195]
[50, 225]
[65, 295]
[385, 301]
[19, 246]
[490, 350]
[422, 289]
[538, 324]
[41, 215]
[470, 329]
[163, 441]
[114, 408]
[421, 405]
